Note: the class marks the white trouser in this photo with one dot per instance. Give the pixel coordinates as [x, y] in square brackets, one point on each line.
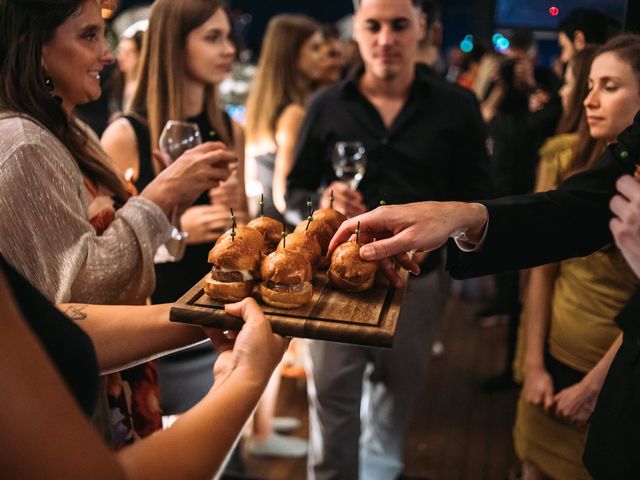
[339, 383]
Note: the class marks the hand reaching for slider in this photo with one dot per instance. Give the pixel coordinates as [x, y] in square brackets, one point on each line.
[346, 200]
[254, 352]
[421, 227]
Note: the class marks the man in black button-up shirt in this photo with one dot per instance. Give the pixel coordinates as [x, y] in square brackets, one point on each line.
[424, 139]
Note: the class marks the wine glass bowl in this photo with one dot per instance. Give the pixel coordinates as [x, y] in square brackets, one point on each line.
[177, 137]
[349, 161]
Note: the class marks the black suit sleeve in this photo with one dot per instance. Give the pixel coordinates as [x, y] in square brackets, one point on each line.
[529, 230]
[471, 180]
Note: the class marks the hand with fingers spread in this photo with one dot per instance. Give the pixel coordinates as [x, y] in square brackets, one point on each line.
[345, 199]
[395, 230]
[254, 352]
[196, 171]
[625, 226]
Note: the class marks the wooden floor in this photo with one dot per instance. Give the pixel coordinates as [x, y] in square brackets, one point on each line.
[458, 432]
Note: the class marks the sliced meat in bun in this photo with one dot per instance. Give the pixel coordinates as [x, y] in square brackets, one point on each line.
[286, 279]
[350, 272]
[330, 216]
[236, 265]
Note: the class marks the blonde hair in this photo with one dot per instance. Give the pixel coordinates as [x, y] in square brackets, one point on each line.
[278, 80]
[161, 77]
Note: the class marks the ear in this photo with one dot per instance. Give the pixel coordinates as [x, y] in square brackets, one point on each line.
[579, 40]
[422, 25]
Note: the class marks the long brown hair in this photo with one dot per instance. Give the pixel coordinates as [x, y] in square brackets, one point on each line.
[161, 78]
[574, 115]
[278, 80]
[627, 49]
[25, 26]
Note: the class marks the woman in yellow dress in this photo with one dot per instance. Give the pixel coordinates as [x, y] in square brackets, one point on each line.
[571, 337]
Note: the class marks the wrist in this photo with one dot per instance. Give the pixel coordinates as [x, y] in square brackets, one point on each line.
[471, 224]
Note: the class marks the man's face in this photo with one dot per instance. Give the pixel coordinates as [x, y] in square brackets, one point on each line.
[387, 33]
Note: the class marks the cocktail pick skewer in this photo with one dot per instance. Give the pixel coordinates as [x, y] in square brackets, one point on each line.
[358, 233]
[331, 200]
[309, 218]
[284, 239]
[262, 204]
[233, 226]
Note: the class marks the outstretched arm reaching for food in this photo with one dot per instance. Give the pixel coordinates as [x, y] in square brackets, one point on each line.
[395, 230]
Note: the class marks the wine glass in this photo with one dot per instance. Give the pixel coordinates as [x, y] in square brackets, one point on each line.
[349, 161]
[176, 138]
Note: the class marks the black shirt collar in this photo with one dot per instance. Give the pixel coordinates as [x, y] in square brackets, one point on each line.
[422, 81]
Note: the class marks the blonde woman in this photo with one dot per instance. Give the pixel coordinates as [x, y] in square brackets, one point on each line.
[290, 63]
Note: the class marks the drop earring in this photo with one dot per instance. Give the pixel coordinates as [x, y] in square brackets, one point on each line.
[48, 82]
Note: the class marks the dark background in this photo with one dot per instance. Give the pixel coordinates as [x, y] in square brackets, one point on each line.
[480, 18]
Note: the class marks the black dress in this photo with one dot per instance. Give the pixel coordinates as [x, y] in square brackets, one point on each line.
[185, 377]
[68, 347]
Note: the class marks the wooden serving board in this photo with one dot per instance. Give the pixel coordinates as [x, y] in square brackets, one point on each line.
[364, 318]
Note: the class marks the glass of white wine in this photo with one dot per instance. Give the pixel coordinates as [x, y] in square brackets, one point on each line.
[176, 138]
[349, 160]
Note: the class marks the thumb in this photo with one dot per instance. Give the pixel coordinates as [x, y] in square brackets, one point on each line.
[548, 400]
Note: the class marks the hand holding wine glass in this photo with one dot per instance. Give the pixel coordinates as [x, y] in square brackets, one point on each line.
[197, 170]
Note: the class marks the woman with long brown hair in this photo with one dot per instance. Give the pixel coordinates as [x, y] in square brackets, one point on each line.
[68, 222]
[290, 62]
[186, 53]
[571, 337]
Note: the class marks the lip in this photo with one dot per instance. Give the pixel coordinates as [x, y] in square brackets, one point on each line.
[593, 118]
[224, 67]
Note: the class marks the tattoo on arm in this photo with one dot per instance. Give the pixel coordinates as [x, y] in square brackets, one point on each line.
[76, 312]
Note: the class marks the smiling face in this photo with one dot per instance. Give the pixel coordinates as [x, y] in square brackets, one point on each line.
[614, 96]
[209, 52]
[387, 33]
[310, 56]
[75, 56]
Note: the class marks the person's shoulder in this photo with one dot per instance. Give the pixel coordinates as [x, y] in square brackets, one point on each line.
[326, 96]
[21, 131]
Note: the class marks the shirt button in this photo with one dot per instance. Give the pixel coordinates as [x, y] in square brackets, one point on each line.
[624, 154]
[385, 141]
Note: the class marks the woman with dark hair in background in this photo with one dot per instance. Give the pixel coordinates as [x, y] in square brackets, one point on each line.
[289, 65]
[68, 223]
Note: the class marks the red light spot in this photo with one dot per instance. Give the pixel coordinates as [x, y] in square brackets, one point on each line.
[554, 11]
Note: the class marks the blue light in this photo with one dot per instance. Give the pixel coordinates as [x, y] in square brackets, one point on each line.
[496, 38]
[503, 44]
[466, 46]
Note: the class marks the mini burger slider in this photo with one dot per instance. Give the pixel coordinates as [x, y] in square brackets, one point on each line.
[322, 232]
[271, 230]
[350, 272]
[331, 217]
[236, 264]
[286, 279]
[303, 244]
